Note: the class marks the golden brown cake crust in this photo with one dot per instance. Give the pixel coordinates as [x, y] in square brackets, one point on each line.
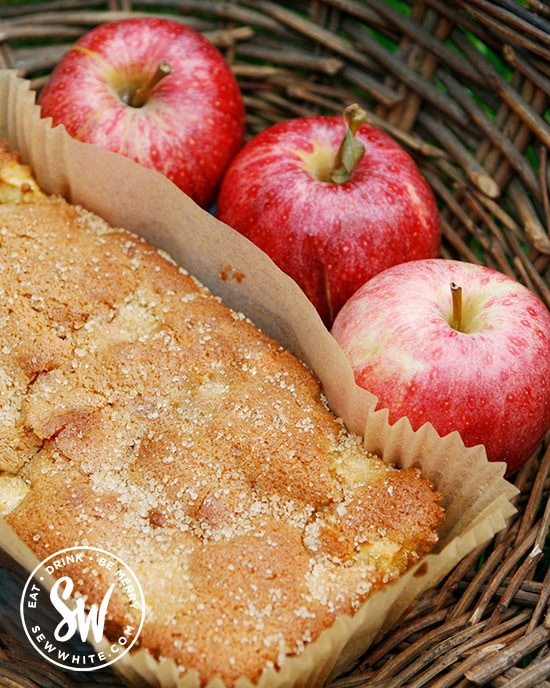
[142, 416]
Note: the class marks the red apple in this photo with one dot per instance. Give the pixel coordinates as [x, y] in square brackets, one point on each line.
[331, 204]
[458, 345]
[155, 91]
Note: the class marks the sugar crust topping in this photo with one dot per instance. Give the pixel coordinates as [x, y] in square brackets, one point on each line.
[140, 415]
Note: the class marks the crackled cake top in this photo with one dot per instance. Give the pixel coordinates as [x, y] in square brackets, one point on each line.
[140, 415]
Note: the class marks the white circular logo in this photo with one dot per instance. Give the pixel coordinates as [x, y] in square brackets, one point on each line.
[64, 626]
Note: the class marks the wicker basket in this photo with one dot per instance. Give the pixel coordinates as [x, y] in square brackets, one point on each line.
[465, 87]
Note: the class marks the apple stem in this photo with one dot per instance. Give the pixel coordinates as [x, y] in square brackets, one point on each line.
[351, 150]
[456, 318]
[142, 94]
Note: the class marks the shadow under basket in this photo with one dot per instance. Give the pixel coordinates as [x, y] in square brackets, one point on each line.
[464, 86]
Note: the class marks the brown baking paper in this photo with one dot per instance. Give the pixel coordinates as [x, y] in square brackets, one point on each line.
[477, 498]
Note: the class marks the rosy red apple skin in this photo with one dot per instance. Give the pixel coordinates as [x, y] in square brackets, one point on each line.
[329, 237]
[191, 126]
[491, 381]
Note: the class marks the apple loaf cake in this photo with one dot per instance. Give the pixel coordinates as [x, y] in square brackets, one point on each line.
[140, 415]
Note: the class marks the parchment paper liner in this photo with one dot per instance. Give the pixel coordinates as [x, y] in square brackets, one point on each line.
[476, 496]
